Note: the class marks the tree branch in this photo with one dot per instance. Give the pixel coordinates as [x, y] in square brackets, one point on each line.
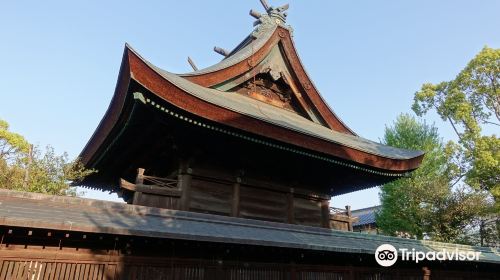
[496, 103]
[493, 123]
[454, 128]
[457, 180]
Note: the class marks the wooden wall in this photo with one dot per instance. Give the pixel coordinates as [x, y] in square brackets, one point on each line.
[46, 254]
[307, 211]
[213, 191]
[210, 197]
[263, 204]
[70, 264]
[156, 200]
[248, 199]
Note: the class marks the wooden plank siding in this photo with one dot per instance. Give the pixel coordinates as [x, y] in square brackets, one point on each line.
[253, 202]
[216, 192]
[263, 204]
[307, 211]
[51, 270]
[154, 200]
[46, 265]
[211, 197]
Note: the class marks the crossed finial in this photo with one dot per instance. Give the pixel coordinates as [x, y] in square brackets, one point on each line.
[276, 13]
[273, 16]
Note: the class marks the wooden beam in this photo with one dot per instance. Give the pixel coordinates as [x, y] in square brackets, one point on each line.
[151, 189]
[184, 184]
[193, 65]
[303, 103]
[139, 179]
[257, 183]
[221, 51]
[185, 187]
[426, 273]
[348, 210]
[265, 5]
[255, 14]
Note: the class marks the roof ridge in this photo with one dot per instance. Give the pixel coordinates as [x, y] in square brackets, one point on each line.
[366, 208]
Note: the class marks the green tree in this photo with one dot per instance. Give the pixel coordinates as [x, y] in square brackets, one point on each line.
[471, 104]
[426, 203]
[12, 144]
[25, 167]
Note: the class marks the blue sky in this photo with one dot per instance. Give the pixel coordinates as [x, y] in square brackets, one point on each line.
[60, 59]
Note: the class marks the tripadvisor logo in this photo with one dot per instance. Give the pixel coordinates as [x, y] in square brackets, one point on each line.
[386, 255]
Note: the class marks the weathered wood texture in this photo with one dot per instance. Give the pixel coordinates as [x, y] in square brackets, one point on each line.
[184, 184]
[340, 225]
[246, 202]
[52, 265]
[236, 199]
[307, 211]
[341, 221]
[211, 197]
[253, 202]
[154, 200]
[151, 195]
[213, 192]
[51, 270]
[263, 204]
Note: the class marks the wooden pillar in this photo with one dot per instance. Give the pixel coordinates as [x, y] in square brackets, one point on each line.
[235, 211]
[349, 215]
[139, 180]
[290, 207]
[136, 199]
[185, 187]
[426, 273]
[184, 184]
[325, 213]
[118, 271]
[111, 271]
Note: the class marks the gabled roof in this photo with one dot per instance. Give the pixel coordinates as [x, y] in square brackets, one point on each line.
[249, 115]
[207, 94]
[253, 50]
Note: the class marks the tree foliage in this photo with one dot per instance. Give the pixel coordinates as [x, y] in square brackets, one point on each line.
[471, 105]
[27, 168]
[11, 144]
[426, 204]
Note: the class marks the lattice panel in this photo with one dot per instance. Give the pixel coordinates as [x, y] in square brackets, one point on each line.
[39, 270]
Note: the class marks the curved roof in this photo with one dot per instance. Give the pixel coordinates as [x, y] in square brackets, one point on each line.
[281, 117]
[196, 94]
[249, 115]
[254, 49]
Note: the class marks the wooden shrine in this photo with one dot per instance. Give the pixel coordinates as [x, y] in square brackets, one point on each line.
[249, 137]
[227, 172]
